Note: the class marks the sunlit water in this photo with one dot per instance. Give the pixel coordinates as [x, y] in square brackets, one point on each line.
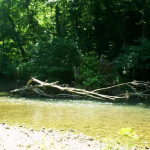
[100, 120]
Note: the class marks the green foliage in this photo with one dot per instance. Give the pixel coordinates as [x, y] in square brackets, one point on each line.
[43, 38]
[52, 60]
[24, 71]
[88, 71]
[7, 67]
[130, 134]
[111, 144]
[7, 70]
[134, 63]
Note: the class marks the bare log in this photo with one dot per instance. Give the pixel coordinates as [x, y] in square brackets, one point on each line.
[81, 92]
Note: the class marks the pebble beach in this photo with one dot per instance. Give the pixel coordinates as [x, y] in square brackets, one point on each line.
[21, 138]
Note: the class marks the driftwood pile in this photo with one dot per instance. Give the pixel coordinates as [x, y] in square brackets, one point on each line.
[95, 94]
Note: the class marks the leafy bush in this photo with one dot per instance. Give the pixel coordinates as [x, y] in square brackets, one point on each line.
[53, 60]
[89, 74]
[7, 69]
[89, 70]
[129, 132]
[25, 70]
[134, 63]
[130, 135]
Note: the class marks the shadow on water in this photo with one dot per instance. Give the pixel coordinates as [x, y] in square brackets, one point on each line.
[93, 118]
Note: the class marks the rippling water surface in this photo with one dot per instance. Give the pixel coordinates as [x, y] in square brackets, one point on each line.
[93, 118]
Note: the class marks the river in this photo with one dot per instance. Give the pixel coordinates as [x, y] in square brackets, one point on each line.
[92, 118]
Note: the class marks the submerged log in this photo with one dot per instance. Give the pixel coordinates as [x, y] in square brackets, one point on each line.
[81, 92]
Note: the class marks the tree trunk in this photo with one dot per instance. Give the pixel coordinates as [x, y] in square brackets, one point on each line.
[93, 94]
[16, 33]
[145, 19]
[117, 25]
[97, 32]
[57, 21]
[3, 45]
[17, 37]
[77, 18]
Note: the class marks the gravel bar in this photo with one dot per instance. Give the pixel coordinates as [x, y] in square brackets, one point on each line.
[21, 138]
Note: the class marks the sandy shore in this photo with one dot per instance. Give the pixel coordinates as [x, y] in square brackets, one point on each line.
[20, 138]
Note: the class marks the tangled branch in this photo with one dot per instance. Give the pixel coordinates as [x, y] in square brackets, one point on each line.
[94, 94]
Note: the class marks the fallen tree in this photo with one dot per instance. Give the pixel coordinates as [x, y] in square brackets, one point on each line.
[82, 92]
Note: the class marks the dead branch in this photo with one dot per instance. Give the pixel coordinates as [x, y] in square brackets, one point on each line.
[81, 92]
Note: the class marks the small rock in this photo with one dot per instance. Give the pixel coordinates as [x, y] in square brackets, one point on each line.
[20, 126]
[76, 136]
[91, 139]
[61, 129]
[68, 137]
[59, 140]
[42, 128]
[7, 127]
[71, 130]
[146, 147]
[50, 130]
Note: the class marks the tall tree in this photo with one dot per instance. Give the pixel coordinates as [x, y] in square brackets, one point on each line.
[145, 19]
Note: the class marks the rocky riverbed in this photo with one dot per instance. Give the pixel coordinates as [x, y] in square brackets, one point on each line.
[21, 138]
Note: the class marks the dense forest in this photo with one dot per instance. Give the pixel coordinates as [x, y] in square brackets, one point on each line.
[85, 43]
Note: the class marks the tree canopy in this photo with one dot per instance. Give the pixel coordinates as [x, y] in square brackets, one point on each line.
[60, 39]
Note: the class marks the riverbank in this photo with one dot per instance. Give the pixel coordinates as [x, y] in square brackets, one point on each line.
[21, 138]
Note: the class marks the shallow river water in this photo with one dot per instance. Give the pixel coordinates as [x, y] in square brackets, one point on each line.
[92, 118]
